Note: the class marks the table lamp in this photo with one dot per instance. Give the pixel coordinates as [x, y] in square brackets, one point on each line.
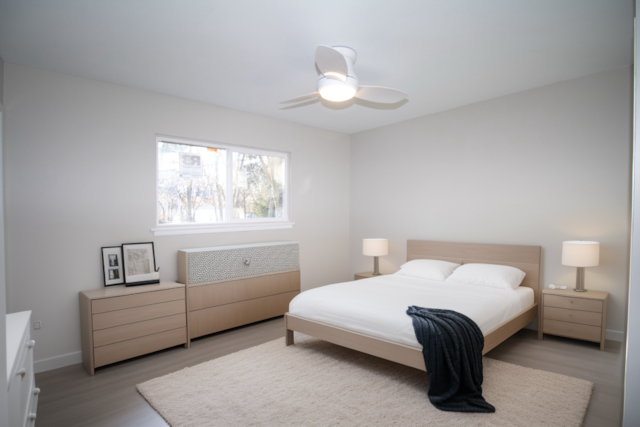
[375, 248]
[580, 254]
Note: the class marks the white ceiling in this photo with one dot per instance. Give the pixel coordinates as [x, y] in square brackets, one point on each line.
[251, 54]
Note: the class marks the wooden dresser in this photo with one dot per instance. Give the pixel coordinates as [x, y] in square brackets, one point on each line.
[118, 322]
[580, 315]
[231, 286]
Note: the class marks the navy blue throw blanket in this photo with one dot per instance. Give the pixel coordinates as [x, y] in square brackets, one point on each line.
[452, 349]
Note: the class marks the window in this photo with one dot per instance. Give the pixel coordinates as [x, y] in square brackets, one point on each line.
[204, 187]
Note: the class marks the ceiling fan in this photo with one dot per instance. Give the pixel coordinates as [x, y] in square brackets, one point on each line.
[338, 82]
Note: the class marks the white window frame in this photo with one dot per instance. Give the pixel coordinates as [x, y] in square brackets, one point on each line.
[229, 224]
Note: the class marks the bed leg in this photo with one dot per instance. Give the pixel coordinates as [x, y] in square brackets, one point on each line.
[289, 338]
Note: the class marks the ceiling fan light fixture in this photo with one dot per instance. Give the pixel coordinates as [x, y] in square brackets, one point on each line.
[337, 76]
[338, 81]
[337, 93]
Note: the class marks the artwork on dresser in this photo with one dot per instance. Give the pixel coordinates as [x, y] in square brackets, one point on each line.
[112, 265]
[139, 264]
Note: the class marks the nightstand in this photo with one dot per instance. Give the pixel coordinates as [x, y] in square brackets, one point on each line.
[580, 315]
[367, 275]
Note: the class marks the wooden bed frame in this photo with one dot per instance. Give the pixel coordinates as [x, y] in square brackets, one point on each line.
[526, 258]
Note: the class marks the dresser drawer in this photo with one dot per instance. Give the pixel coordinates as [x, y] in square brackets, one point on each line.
[225, 263]
[130, 301]
[21, 387]
[575, 316]
[215, 319]
[217, 294]
[573, 303]
[137, 314]
[138, 329]
[572, 330]
[138, 346]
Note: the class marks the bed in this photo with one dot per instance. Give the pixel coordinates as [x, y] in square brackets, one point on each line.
[368, 315]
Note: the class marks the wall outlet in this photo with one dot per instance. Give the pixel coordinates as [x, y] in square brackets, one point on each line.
[37, 324]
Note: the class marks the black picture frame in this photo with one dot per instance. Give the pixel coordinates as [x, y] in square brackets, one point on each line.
[137, 272]
[112, 265]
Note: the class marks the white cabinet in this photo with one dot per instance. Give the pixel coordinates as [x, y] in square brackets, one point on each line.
[22, 391]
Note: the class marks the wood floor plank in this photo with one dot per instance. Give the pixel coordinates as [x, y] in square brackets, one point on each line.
[72, 398]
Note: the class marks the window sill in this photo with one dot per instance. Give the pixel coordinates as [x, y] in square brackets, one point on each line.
[173, 230]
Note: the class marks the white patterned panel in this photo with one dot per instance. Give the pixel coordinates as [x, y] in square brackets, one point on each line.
[213, 265]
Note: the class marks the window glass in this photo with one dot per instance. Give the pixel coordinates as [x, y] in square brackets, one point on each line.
[200, 183]
[258, 186]
[191, 183]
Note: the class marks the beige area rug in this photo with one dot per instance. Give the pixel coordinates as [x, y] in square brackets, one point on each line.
[315, 383]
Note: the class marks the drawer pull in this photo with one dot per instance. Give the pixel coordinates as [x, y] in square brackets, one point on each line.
[32, 416]
[22, 372]
[36, 391]
[31, 344]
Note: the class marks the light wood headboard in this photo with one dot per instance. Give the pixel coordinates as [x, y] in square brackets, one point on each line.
[526, 258]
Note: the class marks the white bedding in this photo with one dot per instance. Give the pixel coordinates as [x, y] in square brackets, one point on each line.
[377, 307]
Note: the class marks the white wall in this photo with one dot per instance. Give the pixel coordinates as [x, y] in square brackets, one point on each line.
[631, 417]
[80, 174]
[533, 168]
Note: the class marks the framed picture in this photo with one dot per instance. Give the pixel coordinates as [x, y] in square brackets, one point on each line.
[139, 264]
[112, 265]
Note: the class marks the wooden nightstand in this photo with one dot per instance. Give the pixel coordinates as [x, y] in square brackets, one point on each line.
[580, 315]
[367, 275]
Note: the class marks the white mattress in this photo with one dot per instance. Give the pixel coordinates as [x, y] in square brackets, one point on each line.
[377, 307]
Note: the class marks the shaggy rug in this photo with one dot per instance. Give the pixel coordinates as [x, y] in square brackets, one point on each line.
[315, 383]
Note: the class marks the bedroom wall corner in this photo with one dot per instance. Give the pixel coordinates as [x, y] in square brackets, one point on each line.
[534, 168]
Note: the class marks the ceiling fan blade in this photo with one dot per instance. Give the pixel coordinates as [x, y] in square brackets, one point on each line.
[331, 63]
[382, 95]
[300, 98]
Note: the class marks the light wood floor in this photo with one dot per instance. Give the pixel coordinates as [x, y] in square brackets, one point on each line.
[70, 397]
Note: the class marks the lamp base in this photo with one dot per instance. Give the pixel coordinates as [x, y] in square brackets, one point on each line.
[376, 271]
[580, 280]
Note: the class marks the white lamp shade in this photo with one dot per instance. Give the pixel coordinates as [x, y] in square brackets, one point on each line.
[580, 253]
[375, 247]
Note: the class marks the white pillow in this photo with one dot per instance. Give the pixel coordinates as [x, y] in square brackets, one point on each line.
[490, 275]
[430, 269]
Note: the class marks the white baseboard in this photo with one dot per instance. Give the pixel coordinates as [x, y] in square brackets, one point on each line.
[56, 362]
[614, 335]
